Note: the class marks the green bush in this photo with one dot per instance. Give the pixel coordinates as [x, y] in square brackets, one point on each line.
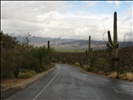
[54, 60]
[16, 57]
[32, 72]
[35, 65]
[7, 64]
[101, 65]
[41, 58]
[94, 59]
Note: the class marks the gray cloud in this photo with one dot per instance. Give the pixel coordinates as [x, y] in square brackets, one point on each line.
[51, 19]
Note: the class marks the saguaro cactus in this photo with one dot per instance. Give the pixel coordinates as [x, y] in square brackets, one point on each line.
[89, 50]
[48, 46]
[89, 44]
[49, 55]
[113, 44]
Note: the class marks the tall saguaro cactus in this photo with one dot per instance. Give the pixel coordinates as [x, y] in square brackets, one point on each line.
[49, 55]
[89, 44]
[89, 50]
[48, 46]
[113, 44]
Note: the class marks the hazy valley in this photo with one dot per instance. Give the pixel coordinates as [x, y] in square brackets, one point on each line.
[74, 44]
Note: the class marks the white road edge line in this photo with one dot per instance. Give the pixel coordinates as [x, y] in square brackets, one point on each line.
[47, 85]
[115, 90]
[118, 91]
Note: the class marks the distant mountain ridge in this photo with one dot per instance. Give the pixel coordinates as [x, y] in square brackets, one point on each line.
[76, 44]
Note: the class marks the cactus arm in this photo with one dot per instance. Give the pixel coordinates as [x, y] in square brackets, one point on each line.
[117, 46]
[109, 46]
[109, 39]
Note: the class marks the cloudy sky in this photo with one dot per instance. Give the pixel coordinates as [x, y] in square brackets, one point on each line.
[66, 19]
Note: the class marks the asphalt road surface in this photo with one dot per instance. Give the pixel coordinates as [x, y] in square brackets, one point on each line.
[70, 83]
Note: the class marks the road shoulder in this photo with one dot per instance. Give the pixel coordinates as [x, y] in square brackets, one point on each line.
[17, 87]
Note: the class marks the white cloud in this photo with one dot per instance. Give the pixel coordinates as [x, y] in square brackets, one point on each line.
[91, 3]
[117, 3]
[50, 19]
[126, 23]
[109, 1]
[27, 10]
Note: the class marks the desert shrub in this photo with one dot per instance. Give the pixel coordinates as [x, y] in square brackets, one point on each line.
[9, 56]
[41, 58]
[85, 67]
[17, 62]
[35, 65]
[27, 74]
[26, 62]
[2, 86]
[101, 65]
[7, 64]
[17, 57]
[93, 60]
[46, 67]
[11, 63]
[54, 60]
[32, 72]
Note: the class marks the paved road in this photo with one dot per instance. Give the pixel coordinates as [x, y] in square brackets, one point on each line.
[69, 83]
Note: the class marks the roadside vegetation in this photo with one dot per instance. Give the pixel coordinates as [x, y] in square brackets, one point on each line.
[22, 61]
[100, 62]
[69, 50]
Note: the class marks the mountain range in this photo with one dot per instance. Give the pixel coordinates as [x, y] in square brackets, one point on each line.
[75, 44]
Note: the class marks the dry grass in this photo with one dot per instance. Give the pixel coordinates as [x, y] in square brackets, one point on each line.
[125, 76]
[27, 74]
[85, 67]
[113, 75]
[9, 83]
[21, 82]
[77, 64]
